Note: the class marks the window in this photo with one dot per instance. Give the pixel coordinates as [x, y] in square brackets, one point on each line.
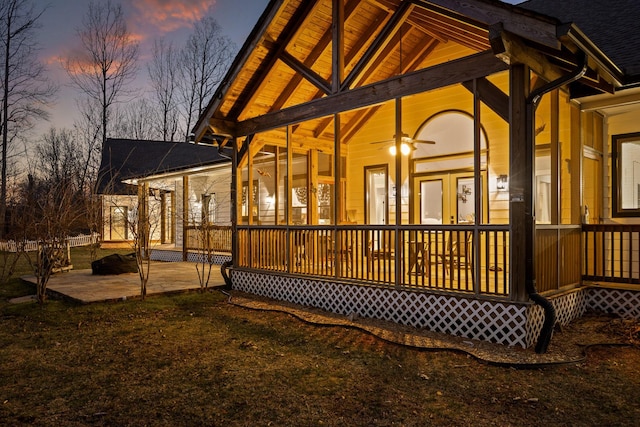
[626, 175]
[209, 209]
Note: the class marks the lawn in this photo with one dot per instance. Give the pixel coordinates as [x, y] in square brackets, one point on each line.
[193, 359]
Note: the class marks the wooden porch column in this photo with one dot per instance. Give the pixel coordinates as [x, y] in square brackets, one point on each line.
[185, 215]
[234, 200]
[520, 182]
[143, 219]
[163, 217]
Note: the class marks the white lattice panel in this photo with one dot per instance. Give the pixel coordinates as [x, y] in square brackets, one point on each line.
[568, 307]
[500, 322]
[176, 256]
[167, 256]
[624, 303]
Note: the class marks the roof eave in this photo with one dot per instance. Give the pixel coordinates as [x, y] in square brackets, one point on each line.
[580, 40]
[202, 125]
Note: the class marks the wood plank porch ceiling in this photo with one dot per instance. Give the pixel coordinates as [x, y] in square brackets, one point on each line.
[292, 63]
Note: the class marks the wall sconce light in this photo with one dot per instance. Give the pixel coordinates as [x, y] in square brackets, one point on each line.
[502, 183]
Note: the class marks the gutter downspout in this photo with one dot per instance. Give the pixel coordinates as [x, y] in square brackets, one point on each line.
[532, 103]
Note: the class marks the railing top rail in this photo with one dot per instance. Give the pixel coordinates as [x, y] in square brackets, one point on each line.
[611, 227]
[410, 227]
[558, 226]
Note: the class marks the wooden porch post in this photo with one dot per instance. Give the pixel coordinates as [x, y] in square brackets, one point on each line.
[234, 201]
[520, 182]
[144, 231]
[185, 215]
[163, 217]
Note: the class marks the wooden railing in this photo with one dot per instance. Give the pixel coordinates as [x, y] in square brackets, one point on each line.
[218, 237]
[557, 259]
[611, 253]
[469, 259]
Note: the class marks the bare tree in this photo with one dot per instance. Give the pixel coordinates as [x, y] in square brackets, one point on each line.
[108, 61]
[135, 120]
[59, 158]
[25, 88]
[203, 64]
[163, 73]
[48, 213]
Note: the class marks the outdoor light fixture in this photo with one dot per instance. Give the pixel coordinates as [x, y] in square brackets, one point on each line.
[405, 149]
[502, 183]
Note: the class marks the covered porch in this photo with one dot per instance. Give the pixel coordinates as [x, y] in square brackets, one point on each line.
[415, 161]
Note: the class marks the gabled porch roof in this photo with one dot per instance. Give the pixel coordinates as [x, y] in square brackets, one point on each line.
[294, 57]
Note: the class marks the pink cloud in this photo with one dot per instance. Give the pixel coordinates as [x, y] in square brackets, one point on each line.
[170, 15]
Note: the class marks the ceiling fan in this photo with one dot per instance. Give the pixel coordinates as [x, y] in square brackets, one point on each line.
[408, 144]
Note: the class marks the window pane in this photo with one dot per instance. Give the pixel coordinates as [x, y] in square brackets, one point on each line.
[630, 174]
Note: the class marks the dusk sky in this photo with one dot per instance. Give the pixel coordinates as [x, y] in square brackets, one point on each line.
[147, 20]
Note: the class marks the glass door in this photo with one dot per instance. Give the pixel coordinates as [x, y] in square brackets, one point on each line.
[448, 198]
[118, 224]
[377, 191]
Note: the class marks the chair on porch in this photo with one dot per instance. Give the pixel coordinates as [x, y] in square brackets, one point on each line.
[343, 252]
[458, 253]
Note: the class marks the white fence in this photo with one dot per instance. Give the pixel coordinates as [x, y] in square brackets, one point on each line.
[32, 245]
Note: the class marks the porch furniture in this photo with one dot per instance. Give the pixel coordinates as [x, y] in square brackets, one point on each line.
[419, 258]
[300, 239]
[458, 253]
[341, 253]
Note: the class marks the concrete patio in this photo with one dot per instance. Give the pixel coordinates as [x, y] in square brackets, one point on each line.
[164, 278]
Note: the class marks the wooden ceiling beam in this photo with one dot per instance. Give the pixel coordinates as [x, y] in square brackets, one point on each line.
[310, 75]
[491, 95]
[337, 54]
[413, 61]
[355, 123]
[524, 25]
[387, 31]
[438, 76]
[259, 79]
[460, 35]
[313, 56]
[512, 50]
[355, 50]
[409, 64]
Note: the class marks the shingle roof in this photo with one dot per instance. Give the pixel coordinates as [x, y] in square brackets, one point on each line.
[128, 158]
[611, 24]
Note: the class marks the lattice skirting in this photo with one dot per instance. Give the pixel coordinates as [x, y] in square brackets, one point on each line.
[500, 322]
[176, 256]
[624, 303]
[508, 323]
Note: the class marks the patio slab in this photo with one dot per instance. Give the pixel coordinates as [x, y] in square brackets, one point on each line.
[164, 277]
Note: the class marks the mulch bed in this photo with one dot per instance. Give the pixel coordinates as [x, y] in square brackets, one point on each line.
[570, 344]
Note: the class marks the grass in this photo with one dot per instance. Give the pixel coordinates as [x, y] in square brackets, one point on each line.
[194, 359]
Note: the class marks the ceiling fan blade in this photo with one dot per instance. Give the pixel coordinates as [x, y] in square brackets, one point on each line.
[386, 141]
[423, 141]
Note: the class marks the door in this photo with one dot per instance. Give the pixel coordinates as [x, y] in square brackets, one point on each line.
[448, 198]
[118, 223]
[591, 189]
[377, 190]
[376, 208]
